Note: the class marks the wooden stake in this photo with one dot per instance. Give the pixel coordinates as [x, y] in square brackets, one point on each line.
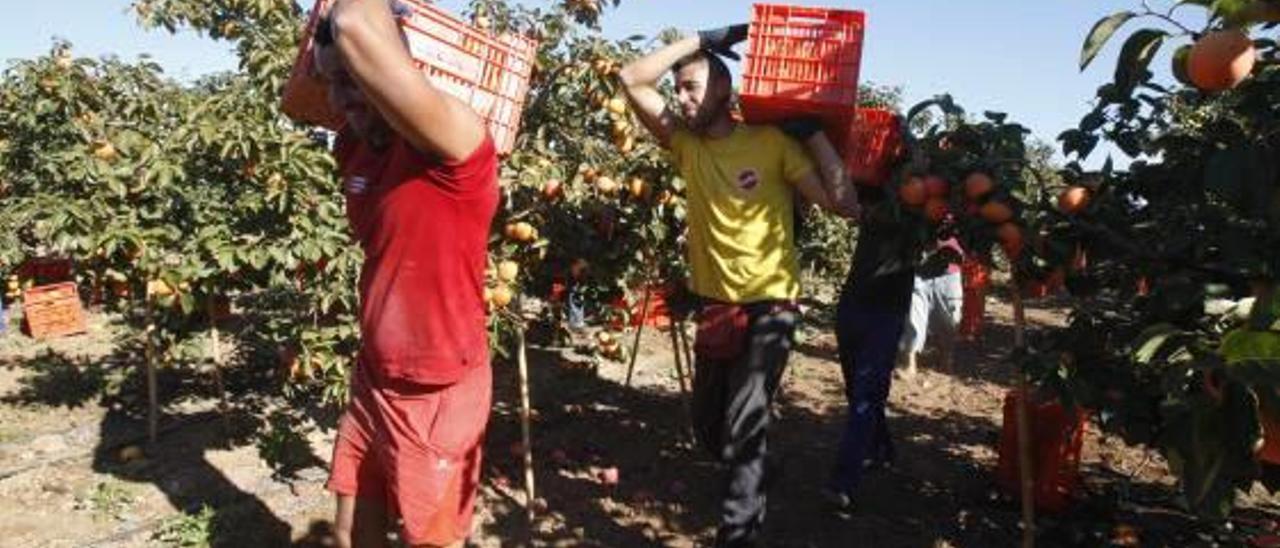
[153, 400]
[683, 347]
[635, 346]
[215, 349]
[525, 434]
[688, 348]
[1024, 428]
[678, 350]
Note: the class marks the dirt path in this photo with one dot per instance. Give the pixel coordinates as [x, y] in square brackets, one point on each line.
[63, 481]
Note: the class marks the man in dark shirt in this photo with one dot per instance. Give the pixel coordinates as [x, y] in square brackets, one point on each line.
[869, 323]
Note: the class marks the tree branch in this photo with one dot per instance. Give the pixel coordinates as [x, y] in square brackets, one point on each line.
[1166, 17]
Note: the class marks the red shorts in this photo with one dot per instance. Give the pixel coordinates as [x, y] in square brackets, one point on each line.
[417, 452]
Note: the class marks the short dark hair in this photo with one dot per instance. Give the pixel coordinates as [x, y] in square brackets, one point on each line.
[324, 32]
[869, 195]
[324, 26]
[716, 69]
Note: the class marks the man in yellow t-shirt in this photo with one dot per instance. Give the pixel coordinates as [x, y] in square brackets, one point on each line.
[741, 186]
[740, 200]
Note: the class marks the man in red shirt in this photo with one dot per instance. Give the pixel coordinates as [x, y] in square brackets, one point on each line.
[419, 172]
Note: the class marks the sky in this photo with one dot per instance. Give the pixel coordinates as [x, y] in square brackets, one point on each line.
[1014, 56]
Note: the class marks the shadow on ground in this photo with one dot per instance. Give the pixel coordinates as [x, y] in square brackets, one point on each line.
[177, 464]
[936, 494]
[926, 499]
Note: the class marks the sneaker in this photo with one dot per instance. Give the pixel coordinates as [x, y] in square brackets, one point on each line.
[725, 538]
[839, 501]
[883, 459]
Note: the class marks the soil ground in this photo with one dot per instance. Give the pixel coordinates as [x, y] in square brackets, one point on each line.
[69, 474]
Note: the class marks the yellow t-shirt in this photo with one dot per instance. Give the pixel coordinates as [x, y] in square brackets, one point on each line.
[741, 244]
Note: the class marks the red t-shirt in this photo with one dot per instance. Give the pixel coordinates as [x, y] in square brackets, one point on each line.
[424, 227]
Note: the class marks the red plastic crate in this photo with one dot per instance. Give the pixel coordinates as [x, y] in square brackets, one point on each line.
[975, 276]
[801, 60]
[490, 73]
[658, 315]
[53, 311]
[632, 307]
[1057, 438]
[873, 145]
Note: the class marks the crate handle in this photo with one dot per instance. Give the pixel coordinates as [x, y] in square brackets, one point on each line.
[821, 15]
[816, 14]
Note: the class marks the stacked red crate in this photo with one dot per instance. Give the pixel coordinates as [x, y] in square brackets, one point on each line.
[491, 73]
[804, 61]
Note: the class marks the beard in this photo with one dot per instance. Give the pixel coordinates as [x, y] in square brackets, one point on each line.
[707, 114]
[373, 130]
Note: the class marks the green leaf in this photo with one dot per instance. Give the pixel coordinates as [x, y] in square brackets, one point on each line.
[1152, 340]
[1235, 12]
[1100, 34]
[187, 303]
[1209, 445]
[1129, 143]
[1178, 64]
[1136, 56]
[1249, 345]
[1240, 175]
[1092, 121]
[226, 259]
[944, 102]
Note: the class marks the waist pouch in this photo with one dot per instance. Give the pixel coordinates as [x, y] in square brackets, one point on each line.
[723, 327]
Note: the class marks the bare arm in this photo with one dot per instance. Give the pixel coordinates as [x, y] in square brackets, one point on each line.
[640, 82]
[834, 180]
[810, 187]
[433, 121]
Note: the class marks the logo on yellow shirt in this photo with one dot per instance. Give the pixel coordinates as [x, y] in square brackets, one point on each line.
[748, 179]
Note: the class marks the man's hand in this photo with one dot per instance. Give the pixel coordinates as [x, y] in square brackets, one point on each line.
[845, 201]
[721, 41]
[833, 180]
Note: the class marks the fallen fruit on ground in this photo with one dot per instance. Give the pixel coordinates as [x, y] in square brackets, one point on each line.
[608, 476]
[131, 453]
[552, 189]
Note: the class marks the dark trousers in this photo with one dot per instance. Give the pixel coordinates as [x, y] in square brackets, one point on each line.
[868, 346]
[731, 402]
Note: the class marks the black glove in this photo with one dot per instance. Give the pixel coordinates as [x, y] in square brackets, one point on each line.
[801, 129]
[400, 10]
[720, 41]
